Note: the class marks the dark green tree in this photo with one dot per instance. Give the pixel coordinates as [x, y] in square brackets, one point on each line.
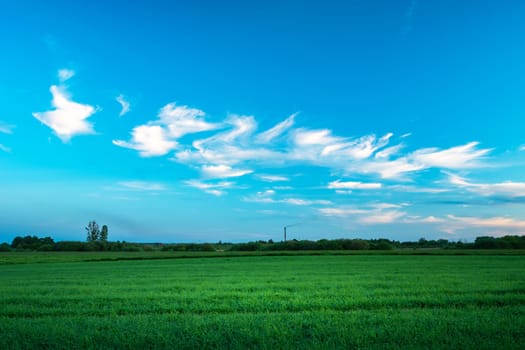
[104, 233]
[93, 232]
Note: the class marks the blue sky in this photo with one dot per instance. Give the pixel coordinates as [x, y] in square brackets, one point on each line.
[207, 121]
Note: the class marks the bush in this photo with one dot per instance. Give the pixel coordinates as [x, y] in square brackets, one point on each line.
[45, 248]
[4, 247]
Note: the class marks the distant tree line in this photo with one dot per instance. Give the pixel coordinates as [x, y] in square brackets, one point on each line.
[47, 244]
[96, 243]
[485, 242]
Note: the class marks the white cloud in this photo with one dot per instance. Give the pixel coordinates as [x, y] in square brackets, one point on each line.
[69, 118]
[216, 189]
[368, 214]
[277, 130]
[345, 192]
[223, 171]
[299, 201]
[459, 157]
[522, 148]
[142, 185]
[385, 217]
[183, 120]
[416, 189]
[238, 146]
[431, 219]
[423, 220]
[387, 169]
[491, 222]
[149, 140]
[284, 188]
[305, 137]
[158, 137]
[388, 152]
[321, 147]
[507, 189]
[124, 104]
[229, 147]
[273, 178]
[342, 211]
[65, 74]
[354, 185]
[268, 197]
[6, 128]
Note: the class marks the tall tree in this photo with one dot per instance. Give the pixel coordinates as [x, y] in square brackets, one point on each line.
[104, 233]
[93, 232]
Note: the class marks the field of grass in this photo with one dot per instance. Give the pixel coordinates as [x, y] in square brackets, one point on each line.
[277, 302]
[59, 257]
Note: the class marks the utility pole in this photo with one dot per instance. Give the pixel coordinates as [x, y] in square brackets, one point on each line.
[285, 233]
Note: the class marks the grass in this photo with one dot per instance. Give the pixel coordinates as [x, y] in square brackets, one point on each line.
[277, 302]
[60, 257]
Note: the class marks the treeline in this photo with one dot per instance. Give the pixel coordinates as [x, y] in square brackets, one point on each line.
[47, 244]
[485, 242]
[34, 243]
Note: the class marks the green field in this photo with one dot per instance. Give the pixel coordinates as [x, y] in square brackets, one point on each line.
[269, 302]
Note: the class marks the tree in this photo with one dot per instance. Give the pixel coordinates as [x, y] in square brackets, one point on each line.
[93, 232]
[104, 233]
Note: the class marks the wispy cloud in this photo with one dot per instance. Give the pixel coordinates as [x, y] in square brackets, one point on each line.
[466, 156]
[299, 201]
[69, 118]
[272, 178]
[268, 196]
[490, 222]
[277, 130]
[411, 219]
[6, 128]
[65, 74]
[223, 171]
[459, 157]
[216, 189]
[417, 189]
[507, 189]
[354, 185]
[370, 216]
[124, 104]
[142, 185]
[238, 149]
[158, 137]
[183, 120]
[522, 148]
[388, 152]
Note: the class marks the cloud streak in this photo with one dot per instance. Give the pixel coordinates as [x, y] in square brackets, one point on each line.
[142, 185]
[268, 197]
[508, 189]
[6, 128]
[216, 189]
[124, 105]
[372, 214]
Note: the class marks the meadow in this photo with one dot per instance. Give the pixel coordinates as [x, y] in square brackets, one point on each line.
[268, 302]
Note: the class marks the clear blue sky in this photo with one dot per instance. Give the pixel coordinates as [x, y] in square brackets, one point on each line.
[205, 121]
